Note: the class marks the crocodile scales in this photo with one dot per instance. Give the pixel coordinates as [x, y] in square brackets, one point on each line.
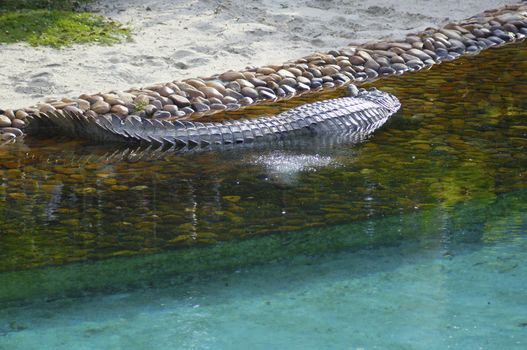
[360, 114]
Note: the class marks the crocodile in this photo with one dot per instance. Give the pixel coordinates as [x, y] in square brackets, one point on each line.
[358, 114]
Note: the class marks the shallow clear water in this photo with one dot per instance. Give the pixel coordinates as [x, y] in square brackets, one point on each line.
[412, 239]
[445, 291]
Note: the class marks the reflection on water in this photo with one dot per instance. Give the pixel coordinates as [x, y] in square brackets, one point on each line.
[460, 136]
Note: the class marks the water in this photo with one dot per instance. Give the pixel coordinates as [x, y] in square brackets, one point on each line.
[412, 239]
[432, 292]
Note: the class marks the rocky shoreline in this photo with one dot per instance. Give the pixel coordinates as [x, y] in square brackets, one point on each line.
[195, 99]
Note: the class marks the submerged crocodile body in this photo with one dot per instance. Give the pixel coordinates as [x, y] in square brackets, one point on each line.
[357, 115]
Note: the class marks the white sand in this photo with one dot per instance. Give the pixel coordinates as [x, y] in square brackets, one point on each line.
[189, 38]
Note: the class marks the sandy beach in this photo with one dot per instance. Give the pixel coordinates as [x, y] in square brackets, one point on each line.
[190, 38]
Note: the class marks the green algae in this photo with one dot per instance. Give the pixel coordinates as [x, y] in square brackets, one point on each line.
[56, 24]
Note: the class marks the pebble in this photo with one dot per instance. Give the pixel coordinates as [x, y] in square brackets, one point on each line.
[13, 130]
[119, 110]
[200, 107]
[7, 136]
[9, 113]
[172, 109]
[101, 107]
[231, 75]
[285, 74]
[180, 101]
[250, 92]
[4, 121]
[161, 115]
[246, 101]
[20, 114]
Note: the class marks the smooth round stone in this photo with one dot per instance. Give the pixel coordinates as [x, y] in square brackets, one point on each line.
[328, 85]
[234, 94]
[187, 110]
[90, 114]
[246, 101]
[229, 99]
[372, 74]
[200, 107]
[20, 114]
[217, 85]
[14, 130]
[371, 64]
[119, 110]
[73, 109]
[250, 92]
[142, 99]
[180, 101]
[502, 35]
[441, 53]
[83, 104]
[361, 76]
[257, 82]
[197, 83]
[161, 115]
[157, 104]
[9, 113]
[265, 70]
[231, 75]
[473, 50]
[266, 95]
[415, 64]
[386, 71]
[297, 72]
[165, 100]
[280, 92]
[315, 84]
[284, 73]
[193, 93]
[496, 40]
[288, 90]
[101, 107]
[46, 107]
[244, 83]
[232, 106]
[303, 87]
[172, 109]
[234, 85]
[288, 81]
[523, 30]
[214, 100]
[329, 70]
[4, 121]
[218, 107]
[7, 136]
[150, 109]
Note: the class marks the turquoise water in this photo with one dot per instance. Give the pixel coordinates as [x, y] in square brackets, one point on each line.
[458, 289]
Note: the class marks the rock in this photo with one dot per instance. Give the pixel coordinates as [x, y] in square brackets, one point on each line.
[9, 113]
[15, 131]
[229, 99]
[150, 110]
[246, 101]
[250, 92]
[265, 70]
[217, 85]
[20, 114]
[7, 136]
[218, 107]
[180, 101]
[161, 115]
[72, 109]
[200, 107]
[165, 91]
[210, 92]
[157, 104]
[172, 109]
[141, 100]
[101, 107]
[284, 73]
[197, 83]
[4, 121]
[83, 104]
[120, 110]
[46, 107]
[231, 75]
[288, 81]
